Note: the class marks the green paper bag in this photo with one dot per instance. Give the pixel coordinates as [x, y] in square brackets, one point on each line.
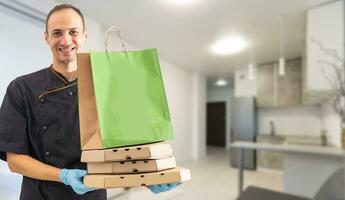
[122, 100]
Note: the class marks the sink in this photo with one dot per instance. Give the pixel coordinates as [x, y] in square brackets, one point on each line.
[303, 140]
[271, 139]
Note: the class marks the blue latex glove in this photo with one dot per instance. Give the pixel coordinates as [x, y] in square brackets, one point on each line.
[73, 178]
[162, 187]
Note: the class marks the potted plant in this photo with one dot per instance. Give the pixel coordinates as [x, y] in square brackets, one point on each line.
[337, 80]
[323, 137]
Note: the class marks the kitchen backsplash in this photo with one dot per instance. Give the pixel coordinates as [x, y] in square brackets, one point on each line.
[301, 120]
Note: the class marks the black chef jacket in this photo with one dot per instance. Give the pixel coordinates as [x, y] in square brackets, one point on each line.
[39, 118]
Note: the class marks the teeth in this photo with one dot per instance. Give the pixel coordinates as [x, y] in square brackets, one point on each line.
[61, 49]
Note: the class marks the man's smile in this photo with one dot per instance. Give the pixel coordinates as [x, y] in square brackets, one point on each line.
[66, 49]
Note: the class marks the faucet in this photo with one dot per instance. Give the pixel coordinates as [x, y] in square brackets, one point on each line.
[272, 131]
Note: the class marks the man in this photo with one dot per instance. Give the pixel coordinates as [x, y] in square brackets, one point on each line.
[39, 125]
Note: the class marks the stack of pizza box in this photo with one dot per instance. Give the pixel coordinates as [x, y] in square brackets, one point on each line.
[132, 166]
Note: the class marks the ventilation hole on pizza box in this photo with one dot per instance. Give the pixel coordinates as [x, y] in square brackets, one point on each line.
[127, 149]
[143, 184]
[122, 162]
[128, 158]
[162, 174]
[135, 171]
[145, 161]
[139, 148]
[122, 177]
[114, 150]
[134, 162]
[142, 176]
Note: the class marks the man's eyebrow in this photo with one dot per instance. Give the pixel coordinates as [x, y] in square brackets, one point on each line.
[74, 28]
[55, 30]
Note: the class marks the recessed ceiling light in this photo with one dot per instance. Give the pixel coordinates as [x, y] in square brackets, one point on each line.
[181, 2]
[229, 46]
[221, 82]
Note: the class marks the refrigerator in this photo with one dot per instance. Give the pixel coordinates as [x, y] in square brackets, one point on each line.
[244, 128]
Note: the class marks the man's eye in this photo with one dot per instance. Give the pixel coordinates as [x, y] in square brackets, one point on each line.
[74, 32]
[56, 34]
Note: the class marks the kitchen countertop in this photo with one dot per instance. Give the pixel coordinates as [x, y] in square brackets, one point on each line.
[305, 167]
[292, 148]
[293, 139]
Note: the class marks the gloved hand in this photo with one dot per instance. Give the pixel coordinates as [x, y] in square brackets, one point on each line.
[162, 187]
[73, 178]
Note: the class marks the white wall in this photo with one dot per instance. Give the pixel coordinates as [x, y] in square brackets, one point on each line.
[326, 25]
[22, 49]
[304, 120]
[226, 94]
[179, 90]
[243, 85]
[199, 118]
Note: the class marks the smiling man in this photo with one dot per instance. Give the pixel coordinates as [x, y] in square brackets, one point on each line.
[39, 124]
[39, 121]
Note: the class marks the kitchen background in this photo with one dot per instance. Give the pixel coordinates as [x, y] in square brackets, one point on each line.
[204, 79]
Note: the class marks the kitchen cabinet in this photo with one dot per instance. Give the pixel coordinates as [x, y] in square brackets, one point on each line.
[266, 85]
[289, 87]
[275, 90]
[325, 24]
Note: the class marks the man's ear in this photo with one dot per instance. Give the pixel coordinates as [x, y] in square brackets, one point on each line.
[46, 36]
[85, 33]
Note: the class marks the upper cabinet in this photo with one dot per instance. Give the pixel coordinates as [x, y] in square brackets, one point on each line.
[266, 85]
[325, 25]
[289, 87]
[275, 90]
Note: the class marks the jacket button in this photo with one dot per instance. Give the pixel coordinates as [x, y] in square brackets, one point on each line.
[42, 100]
[70, 93]
[44, 128]
[47, 153]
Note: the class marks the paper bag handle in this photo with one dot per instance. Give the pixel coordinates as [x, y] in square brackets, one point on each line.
[116, 30]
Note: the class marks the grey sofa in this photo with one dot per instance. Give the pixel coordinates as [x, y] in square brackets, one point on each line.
[332, 189]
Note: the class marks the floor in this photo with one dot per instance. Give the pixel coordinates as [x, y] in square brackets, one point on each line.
[211, 176]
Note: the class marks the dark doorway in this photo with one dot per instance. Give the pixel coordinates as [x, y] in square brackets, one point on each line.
[216, 124]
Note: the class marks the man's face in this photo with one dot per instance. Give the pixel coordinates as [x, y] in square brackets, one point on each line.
[65, 35]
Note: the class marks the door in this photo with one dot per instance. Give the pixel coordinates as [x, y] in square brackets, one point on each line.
[216, 124]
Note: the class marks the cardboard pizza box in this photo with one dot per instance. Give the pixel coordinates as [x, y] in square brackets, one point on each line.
[134, 166]
[174, 175]
[140, 152]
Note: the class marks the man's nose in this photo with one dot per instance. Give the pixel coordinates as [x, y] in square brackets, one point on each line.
[66, 39]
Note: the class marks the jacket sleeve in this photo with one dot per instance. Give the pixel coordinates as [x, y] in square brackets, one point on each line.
[13, 122]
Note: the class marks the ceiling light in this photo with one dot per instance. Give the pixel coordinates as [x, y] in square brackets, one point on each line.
[221, 82]
[181, 2]
[229, 46]
[281, 68]
[251, 71]
[251, 66]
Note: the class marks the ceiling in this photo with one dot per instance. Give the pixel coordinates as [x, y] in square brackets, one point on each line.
[183, 34]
